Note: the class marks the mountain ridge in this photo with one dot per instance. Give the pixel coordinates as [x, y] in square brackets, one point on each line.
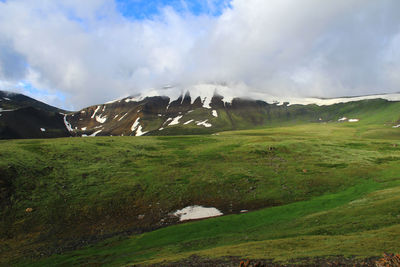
[202, 109]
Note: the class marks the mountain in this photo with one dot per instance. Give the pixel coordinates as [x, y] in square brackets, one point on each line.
[200, 109]
[25, 117]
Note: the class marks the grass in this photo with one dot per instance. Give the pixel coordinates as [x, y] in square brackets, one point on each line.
[331, 183]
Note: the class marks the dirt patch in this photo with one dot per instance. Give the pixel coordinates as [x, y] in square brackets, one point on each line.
[303, 262]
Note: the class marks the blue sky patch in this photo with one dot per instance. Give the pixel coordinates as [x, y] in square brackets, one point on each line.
[142, 9]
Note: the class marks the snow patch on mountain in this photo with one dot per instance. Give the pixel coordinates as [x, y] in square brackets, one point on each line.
[188, 122]
[229, 92]
[214, 113]
[101, 119]
[354, 120]
[94, 114]
[169, 119]
[204, 123]
[139, 131]
[175, 121]
[67, 124]
[123, 116]
[95, 133]
[135, 124]
[42, 129]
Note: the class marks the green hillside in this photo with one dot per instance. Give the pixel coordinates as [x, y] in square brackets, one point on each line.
[312, 189]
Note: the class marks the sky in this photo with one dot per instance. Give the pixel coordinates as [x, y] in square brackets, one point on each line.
[74, 53]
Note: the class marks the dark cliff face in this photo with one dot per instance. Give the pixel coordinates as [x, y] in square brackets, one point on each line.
[30, 122]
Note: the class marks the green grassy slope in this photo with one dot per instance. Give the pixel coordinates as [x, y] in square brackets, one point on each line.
[306, 182]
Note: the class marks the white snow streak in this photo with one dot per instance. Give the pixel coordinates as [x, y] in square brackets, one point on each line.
[204, 123]
[67, 124]
[139, 131]
[396, 126]
[196, 212]
[123, 116]
[354, 120]
[43, 129]
[169, 119]
[175, 121]
[135, 124]
[188, 122]
[101, 119]
[214, 113]
[342, 119]
[94, 114]
[84, 128]
[95, 133]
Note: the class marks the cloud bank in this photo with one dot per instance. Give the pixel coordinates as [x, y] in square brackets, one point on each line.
[90, 53]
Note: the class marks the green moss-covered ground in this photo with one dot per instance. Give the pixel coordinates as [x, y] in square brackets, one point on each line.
[313, 190]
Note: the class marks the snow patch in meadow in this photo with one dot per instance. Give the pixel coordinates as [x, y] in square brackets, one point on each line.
[342, 119]
[83, 128]
[94, 114]
[204, 123]
[188, 122]
[354, 120]
[396, 126]
[214, 113]
[196, 212]
[162, 128]
[175, 121]
[43, 129]
[67, 124]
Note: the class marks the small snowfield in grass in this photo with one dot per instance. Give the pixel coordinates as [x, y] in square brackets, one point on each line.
[196, 212]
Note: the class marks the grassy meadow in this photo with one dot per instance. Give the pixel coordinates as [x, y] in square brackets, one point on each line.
[312, 190]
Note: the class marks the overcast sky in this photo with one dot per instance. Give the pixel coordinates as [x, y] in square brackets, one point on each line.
[75, 53]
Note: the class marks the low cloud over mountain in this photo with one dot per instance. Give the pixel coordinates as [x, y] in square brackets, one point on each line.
[90, 52]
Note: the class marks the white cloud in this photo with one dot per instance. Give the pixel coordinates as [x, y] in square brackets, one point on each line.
[91, 53]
